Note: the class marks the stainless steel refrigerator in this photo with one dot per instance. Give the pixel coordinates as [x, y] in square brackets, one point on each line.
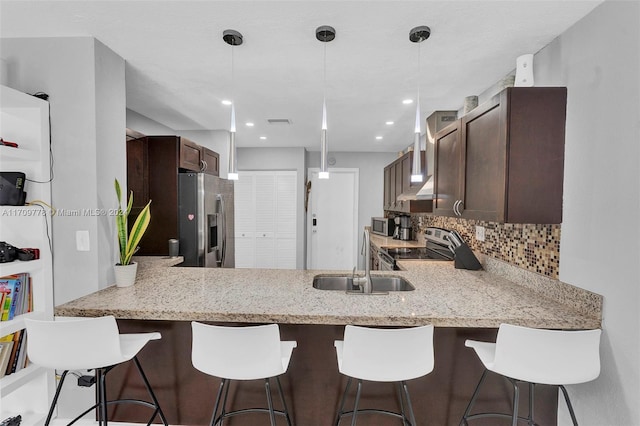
[205, 210]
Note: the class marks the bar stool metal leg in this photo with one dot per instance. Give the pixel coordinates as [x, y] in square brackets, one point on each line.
[158, 410]
[272, 416]
[571, 412]
[355, 404]
[406, 392]
[217, 403]
[101, 397]
[473, 398]
[55, 398]
[401, 398]
[532, 392]
[516, 399]
[342, 402]
[284, 403]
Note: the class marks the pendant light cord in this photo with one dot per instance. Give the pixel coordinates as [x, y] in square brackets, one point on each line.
[233, 92]
[324, 72]
[418, 79]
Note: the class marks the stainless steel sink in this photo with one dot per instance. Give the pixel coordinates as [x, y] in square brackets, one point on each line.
[345, 283]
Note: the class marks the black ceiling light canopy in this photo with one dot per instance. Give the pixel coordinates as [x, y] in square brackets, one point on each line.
[232, 37]
[325, 33]
[419, 34]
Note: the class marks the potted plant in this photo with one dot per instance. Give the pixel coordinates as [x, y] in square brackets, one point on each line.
[125, 271]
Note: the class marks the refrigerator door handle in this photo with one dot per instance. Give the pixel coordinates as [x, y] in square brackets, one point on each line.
[222, 231]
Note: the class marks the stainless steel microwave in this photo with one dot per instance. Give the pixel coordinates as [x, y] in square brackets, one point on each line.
[382, 226]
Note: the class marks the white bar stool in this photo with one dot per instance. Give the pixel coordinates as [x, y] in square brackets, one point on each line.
[548, 357]
[88, 344]
[384, 355]
[242, 353]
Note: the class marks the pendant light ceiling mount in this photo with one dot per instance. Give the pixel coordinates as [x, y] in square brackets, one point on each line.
[325, 33]
[232, 37]
[419, 34]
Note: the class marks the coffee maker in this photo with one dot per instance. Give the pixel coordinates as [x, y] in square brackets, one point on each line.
[405, 228]
[396, 228]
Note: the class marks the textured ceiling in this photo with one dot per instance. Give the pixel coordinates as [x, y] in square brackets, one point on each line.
[179, 69]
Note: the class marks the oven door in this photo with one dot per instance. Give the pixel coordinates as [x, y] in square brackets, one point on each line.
[386, 262]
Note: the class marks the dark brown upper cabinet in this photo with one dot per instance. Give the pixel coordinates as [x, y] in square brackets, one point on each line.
[504, 161]
[196, 158]
[397, 179]
[153, 164]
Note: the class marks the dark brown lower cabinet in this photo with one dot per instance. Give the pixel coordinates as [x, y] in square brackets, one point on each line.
[313, 384]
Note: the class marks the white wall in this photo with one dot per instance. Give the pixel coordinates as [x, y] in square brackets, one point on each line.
[146, 126]
[280, 159]
[110, 162]
[371, 171]
[598, 60]
[87, 112]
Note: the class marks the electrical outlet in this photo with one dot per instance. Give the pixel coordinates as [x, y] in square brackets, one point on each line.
[480, 233]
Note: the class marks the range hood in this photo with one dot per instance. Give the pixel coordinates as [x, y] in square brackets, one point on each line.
[435, 122]
[424, 192]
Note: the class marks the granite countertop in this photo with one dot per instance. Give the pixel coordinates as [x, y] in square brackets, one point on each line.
[444, 296]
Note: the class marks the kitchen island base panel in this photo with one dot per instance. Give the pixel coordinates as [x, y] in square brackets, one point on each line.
[313, 385]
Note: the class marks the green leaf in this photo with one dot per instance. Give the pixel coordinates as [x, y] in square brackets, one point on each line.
[128, 242]
[137, 231]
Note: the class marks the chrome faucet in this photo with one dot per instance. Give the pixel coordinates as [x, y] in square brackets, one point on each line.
[365, 282]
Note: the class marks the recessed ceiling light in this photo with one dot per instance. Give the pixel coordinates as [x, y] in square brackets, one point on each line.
[378, 137]
[389, 123]
[407, 101]
[226, 102]
[263, 138]
[248, 124]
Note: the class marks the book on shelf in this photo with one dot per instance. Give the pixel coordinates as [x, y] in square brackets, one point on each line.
[7, 287]
[17, 353]
[5, 354]
[17, 295]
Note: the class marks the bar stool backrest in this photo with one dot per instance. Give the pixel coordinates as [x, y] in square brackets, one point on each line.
[547, 356]
[387, 355]
[74, 344]
[237, 353]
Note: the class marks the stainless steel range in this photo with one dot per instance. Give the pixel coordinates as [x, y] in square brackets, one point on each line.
[437, 248]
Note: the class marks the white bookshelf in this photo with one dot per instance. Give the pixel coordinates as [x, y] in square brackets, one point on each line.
[24, 119]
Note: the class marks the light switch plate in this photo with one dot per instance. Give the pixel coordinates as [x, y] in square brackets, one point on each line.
[480, 233]
[82, 241]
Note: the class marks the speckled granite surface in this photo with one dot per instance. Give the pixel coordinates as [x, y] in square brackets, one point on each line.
[444, 296]
[581, 300]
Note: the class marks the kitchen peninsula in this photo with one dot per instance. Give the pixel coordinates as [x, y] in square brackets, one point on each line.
[461, 304]
[444, 297]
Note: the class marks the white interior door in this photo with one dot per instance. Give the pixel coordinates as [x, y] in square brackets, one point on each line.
[332, 220]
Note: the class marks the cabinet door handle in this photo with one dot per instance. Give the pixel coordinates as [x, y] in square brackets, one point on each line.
[455, 208]
[460, 207]
[202, 165]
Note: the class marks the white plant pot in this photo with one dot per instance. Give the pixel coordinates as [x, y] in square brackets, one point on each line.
[125, 274]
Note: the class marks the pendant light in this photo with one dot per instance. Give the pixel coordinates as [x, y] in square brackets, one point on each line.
[232, 38]
[418, 35]
[324, 34]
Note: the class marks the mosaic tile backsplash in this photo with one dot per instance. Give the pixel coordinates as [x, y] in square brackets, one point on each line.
[532, 247]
